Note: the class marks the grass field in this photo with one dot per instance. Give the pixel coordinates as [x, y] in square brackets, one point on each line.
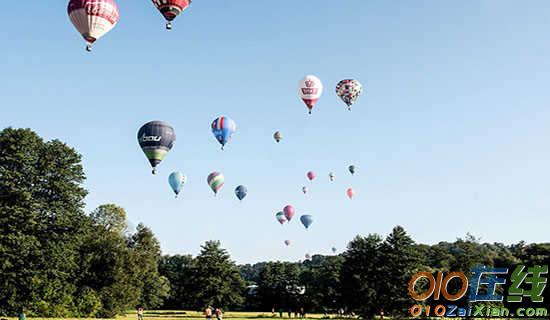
[192, 315]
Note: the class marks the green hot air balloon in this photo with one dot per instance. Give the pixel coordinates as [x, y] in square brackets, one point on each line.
[156, 138]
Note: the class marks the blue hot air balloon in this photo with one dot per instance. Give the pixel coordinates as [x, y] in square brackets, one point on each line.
[241, 192]
[176, 181]
[306, 220]
[223, 128]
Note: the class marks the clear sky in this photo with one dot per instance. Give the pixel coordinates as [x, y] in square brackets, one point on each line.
[451, 137]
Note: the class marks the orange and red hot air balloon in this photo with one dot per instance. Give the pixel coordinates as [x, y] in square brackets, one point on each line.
[170, 9]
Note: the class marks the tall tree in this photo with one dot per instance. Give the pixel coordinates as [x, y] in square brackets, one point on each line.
[178, 269]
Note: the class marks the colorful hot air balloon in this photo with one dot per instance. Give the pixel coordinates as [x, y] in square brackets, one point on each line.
[93, 18]
[156, 138]
[331, 176]
[176, 181]
[278, 136]
[287, 242]
[350, 192]
[280, 216]
[289, 212]
[241, 192]
[223, 128]
[170, 9]
[306, 220]
[349, 91]
[304, 190]
[310, 90]
[310, 175]
[351, 169]
[215, 181]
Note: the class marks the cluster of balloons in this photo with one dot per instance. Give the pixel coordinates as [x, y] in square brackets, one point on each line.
[95, 18]
[310, 89]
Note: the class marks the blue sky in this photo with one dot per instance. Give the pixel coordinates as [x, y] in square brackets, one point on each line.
[451, 137]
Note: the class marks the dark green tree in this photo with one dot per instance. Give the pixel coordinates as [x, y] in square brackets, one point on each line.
[279, 286]
[178, 269]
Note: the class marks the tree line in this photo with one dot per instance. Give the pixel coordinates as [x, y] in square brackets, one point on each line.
[56, 260]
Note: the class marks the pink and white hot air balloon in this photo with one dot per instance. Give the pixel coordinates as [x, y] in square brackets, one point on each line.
[311, 175]
[350, 192]
[310, 90]
[93, 18]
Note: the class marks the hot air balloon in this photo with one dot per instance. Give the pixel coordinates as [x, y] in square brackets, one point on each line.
[331, 176]
[310, 175]
[215, 181]
[289, 212]
[350, 192]
[241, 192]
[304, 190]
[351, 169]
[280, 216]
[349, 91]
[176, 181]
[308, 256]
[223, 128]
[156, 138]
[93, 18]
[170, 9]
[278, 136]
[310, 90]
[306, 220]
[333, 249]
[287, 242]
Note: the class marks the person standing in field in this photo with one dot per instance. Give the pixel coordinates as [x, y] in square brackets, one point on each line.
[208, 313]
[140, 313]
[219, 314]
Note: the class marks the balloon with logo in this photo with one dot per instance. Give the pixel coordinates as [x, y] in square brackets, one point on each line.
[215, 181]
[156, 138]
[350, 192]
[289, 212]
[306, 220]
[93, 18]
[310, 90]
[351, 169]
[349, 91]
[331, 176]
[176, 181]
[280, 216]
[241, 192]
[170, 9]
[304, 190]
[223, 128]
[287, 242]
[310, 175]
[278, 136]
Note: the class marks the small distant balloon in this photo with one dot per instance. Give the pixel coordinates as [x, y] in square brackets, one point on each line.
[350, 192]
[241, 192]
[311, 175]
[170, 9]
[349, 91]
[304, 190]
[310, 90]
[287, 242]
[278, 136]
[176, 181]
[333, 249]
[223, 129]
[306, 220]
[331, 176]
[351, 169]
[289, 212]
[215, 181]
[280, 216]
[308, 256]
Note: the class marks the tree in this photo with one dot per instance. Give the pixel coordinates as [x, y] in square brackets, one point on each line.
[178, 269]
[216, 279]
[279, 286]
[321, 278]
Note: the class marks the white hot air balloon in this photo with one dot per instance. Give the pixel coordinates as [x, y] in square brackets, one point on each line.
[93, 18]
[310, 89]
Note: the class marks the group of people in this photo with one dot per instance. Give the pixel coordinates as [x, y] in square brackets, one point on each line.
[210, 312]
[297, 313]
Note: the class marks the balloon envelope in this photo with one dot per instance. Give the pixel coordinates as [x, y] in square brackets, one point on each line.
[176, 181]
[280, 216]
[223, 129]
[215, 181]
[287, 242]
[308, 256]
[334, 249]
[349, 91]
[241, 192]
[310, 175]
[170, 9]
[306, 220]
[156, 138]
[310, 90]
[331, 176]
[350, 192]
[304, 190]
[289, 212]
[93, 18]
[351, 169]
[278, 136]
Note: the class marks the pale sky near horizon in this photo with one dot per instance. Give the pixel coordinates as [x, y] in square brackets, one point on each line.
[452, 135]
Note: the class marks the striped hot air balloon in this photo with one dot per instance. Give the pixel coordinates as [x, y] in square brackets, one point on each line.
[215, 181]
[170, 9]
[156, 138]
[93, 18]
[223, 128]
